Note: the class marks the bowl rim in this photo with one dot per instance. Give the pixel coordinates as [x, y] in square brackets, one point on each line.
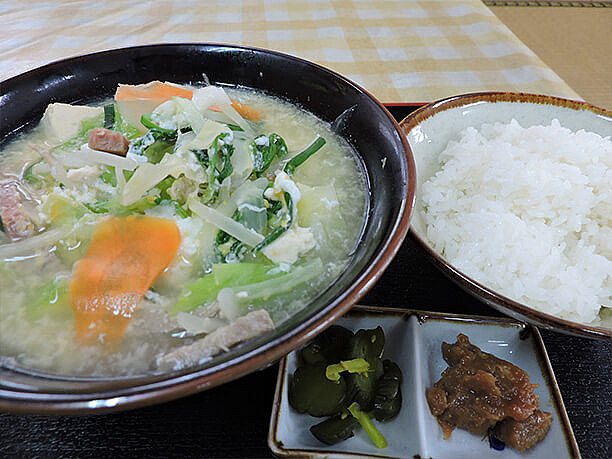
[196, 380]
[484, 293]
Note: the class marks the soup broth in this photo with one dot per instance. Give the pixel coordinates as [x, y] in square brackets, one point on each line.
[256, 214]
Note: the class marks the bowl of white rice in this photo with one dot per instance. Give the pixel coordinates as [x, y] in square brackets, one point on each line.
[514, 203]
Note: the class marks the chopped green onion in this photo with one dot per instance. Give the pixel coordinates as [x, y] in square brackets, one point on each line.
[300, 158]
[101, 208]
[109, 116]
[180, 210]
[27, 174]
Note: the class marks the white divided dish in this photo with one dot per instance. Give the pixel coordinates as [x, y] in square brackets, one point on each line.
[413, 341]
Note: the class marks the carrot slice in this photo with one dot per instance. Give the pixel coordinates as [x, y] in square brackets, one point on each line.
[244, 110]
[124, 258]
[152, 90]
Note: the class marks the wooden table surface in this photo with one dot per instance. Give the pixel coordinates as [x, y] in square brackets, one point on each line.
[232, 420]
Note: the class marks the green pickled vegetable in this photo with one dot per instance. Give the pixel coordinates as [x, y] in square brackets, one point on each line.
[388, 395]
[335, 429]
[372, 386]
[311, 392]
[333, 372]
[368, 345]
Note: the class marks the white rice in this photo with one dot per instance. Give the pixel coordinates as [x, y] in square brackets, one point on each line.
[527, 212]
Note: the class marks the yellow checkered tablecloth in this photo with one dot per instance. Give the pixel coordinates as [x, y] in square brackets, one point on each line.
[402, 51]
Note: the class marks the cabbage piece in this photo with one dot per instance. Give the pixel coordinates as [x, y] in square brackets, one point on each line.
[87, 156]
[50, 298]
[31, 245]
[232, 299]
[132, 110]
[148, 175]
[204, 98]
[205, 289]
[231, 227]
[59, 208]
[178, 113]
[250, 203]
[242, 160]
[208, 133]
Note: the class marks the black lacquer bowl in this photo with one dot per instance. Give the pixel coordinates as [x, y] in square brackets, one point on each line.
[371, 131]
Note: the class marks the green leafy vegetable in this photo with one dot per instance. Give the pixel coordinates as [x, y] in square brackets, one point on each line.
[147, 121]
[83, 135]
[97, 208]
[158, 149]
[228, 248]
[300, 158]
[277, 232]
[108, 176]
[163, 187]
[202, 157]
[264, 149]
[218, 165]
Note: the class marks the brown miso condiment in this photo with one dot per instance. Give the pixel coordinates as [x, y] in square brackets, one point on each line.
[479, 391]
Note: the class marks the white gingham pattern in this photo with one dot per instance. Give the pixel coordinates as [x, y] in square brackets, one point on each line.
[402, 51]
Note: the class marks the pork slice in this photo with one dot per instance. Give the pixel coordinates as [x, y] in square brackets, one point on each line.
[244, 328]
[14, 219]
[109, 141]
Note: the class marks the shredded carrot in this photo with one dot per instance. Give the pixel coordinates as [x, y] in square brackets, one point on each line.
[123, 260]
[153, 90]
